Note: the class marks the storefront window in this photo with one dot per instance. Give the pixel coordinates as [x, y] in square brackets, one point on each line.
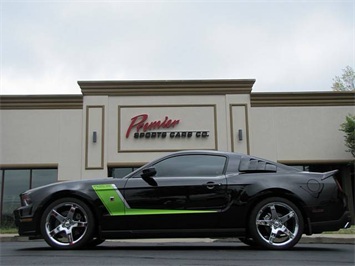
[15, 181]
[1, 178]
[301, 167]
[41, 177]
[120, 172]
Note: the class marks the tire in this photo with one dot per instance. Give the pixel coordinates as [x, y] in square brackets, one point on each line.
[276, 223]
[67, 223]
[248, 241]
[95, 242]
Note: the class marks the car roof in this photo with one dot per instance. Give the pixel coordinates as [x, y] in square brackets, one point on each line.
[208, 152]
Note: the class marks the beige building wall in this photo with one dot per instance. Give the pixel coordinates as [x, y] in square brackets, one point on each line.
[303, 134]
[42, 131]
[58, 131]
[200, 105]
[300, 127]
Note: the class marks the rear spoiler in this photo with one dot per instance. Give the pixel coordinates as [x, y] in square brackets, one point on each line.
[328, 174]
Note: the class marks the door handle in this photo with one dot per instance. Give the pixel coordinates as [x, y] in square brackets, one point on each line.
[212, 185]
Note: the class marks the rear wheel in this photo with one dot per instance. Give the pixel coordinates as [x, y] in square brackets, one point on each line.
[276, 223]
[67, 223]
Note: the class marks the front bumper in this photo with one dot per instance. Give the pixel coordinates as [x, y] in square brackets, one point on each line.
[27, 225]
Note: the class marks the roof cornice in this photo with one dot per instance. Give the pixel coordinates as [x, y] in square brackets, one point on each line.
[13, 102]
[167, 87]
[279, 99]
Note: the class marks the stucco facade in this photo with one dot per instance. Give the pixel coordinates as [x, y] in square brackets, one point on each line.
[127, 123]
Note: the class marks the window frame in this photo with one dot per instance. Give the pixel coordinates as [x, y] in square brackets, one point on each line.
[138, 172]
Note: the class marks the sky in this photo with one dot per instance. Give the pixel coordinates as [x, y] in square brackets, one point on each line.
[47, 46]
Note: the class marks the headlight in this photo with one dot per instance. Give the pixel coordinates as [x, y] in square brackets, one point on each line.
[25, 200]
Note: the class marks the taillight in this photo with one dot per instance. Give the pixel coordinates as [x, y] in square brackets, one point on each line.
[339, 186]
[332, 174]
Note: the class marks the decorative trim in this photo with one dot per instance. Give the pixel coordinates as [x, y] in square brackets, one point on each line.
[88, 138]
[215, 126]
[29, 166]
[20, 102]
[128, 164]
[167, 87]
[246, 125]
[282, 99]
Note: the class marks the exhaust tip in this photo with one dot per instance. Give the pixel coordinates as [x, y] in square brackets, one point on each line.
[347, 225]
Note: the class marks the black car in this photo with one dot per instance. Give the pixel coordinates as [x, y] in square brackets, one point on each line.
[188, 194]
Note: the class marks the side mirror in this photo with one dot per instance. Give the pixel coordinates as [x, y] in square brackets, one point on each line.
[147, 176]
[148, 172]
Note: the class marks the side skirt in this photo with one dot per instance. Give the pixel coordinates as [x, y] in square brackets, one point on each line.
[169, 233]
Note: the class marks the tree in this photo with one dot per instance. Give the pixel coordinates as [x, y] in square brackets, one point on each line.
[348, 127]
[346, 81]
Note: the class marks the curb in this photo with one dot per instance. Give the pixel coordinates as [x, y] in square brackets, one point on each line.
[314, 239]
[328, 239]
[13, 238]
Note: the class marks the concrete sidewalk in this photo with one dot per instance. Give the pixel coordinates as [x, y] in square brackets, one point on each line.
[329, 239]
[313, 239]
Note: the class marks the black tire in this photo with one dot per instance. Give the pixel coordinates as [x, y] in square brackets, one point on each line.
[95, 242]
[248, 241]
[67, 223]
[276, 223]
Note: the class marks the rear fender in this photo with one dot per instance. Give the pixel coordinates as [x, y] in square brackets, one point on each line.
[277, 192]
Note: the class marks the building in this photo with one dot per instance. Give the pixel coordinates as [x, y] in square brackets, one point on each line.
[116, 126]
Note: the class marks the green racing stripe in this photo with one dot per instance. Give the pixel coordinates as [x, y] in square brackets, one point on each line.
[116, 204]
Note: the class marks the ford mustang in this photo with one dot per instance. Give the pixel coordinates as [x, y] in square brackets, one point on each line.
[188, 194]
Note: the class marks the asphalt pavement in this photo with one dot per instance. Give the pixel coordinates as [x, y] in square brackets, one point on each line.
[313, 239]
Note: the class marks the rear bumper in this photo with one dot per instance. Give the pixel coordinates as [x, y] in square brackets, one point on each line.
[334, 225]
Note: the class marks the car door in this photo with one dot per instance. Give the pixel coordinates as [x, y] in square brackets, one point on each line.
[186, 192]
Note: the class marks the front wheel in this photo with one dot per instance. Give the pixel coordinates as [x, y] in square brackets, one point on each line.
[276, 223]
[67, 223]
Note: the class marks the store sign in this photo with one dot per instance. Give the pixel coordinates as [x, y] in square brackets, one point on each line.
[142, 128]
[166, 128]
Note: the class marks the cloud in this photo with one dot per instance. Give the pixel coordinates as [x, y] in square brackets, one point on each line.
[48, 46]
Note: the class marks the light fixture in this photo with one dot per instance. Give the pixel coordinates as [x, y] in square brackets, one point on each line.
[94, 136]
[240, 134]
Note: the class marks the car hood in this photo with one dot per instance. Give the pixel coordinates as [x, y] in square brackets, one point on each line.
[71, 184]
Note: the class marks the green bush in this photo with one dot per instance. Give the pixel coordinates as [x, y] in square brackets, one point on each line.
[348, 127]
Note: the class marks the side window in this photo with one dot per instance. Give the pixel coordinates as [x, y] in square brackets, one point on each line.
[191, 165]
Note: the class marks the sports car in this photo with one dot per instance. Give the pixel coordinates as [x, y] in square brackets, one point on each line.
[188, 194]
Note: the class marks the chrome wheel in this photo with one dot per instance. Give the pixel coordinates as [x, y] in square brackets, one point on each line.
[67, 224]
[277, 224]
